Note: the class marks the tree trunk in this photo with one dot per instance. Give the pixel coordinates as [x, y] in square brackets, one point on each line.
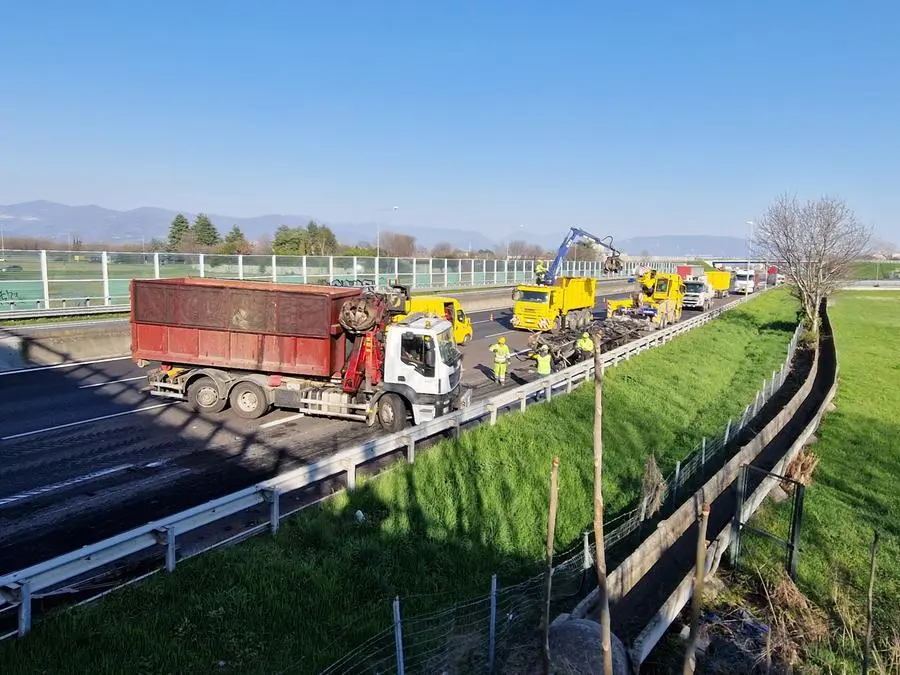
[600, 552]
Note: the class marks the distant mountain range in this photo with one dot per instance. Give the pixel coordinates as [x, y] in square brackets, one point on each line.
[98, 224]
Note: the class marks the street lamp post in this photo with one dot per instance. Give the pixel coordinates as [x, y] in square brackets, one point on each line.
[749, 244]
[378, 233]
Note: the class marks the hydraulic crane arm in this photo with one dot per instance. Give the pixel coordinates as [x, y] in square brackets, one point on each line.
[613, 262]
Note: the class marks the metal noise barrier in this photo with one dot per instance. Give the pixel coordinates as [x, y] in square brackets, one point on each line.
[20, 586]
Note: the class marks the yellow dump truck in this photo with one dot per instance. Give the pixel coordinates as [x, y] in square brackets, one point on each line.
[720, 280]
[659, 299]
[443, 307]
[568, 303]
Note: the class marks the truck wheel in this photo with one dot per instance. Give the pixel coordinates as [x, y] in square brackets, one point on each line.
[249, 400]
[467, 339]
[203, 396]
[391, 412]
[556, 325]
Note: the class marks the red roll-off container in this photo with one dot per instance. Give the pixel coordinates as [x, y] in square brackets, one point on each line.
[241, 325]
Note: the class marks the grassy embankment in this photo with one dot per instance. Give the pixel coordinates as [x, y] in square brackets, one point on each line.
[872, 269]
[854, 490]
[434, 532]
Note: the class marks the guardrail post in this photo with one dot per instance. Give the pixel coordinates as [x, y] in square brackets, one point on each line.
[21, 593]
[398, 636]
[275, 269]
[493, 410]
[727, 432]
[273, 497]
[523, 401]
[456, 429]
[351, 476]
[202, 265]
[569, 383]
[166, 537]
[410, 449]
[104, 271]
[240, 267]
[492, 629]
[45, 280]
[156, 265]
[548, 391]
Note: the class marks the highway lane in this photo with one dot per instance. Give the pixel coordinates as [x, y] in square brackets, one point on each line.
[64, 487]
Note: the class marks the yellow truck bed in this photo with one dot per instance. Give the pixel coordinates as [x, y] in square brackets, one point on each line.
[569, 303]
[719, 280]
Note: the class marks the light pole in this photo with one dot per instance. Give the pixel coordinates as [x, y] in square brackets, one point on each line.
[521, 227]
[749, 244]
[378, 233]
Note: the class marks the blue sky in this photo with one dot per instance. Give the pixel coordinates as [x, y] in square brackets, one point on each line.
[639, 118]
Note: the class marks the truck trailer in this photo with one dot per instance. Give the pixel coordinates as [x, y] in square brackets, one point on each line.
[316, 349]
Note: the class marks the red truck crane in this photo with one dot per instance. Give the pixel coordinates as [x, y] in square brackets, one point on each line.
[317, 349]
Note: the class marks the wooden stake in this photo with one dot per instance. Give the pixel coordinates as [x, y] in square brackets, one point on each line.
[548, 574]
[865, 667]
[690, 657]
[600, 552]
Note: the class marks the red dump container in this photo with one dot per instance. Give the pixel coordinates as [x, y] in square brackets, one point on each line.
[241, 325]
[684, 271]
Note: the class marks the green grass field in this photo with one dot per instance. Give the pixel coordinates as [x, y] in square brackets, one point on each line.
[855, 486]
[434, 531]
[877, 270]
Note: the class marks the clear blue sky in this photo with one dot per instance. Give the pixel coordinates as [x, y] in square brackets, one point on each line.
[659, 117]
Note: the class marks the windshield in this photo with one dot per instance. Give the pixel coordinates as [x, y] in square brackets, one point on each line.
[742, 277]
[531, 296]
[693, 287]
[447, 347]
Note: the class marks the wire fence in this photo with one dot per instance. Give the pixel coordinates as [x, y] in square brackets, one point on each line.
[57, 279]
[474, 635]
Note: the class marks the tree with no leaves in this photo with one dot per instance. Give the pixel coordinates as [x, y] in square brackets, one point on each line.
[816, 243]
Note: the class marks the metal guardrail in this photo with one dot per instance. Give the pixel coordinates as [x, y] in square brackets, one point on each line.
[20, 586]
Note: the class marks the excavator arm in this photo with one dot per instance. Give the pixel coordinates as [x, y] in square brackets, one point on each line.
[612, 262]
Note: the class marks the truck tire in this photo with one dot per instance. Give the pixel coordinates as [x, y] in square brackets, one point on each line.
[203, 396]
[556, 326]
[467, 339]
[391, 413]
[248, 400]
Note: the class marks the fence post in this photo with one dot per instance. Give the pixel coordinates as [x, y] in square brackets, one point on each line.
[104, 269]
[275, 269]
[303, 269]
[240, 267]
[397, 270]
[703, 452]
[413, 284]
[431, 272]
[156, 265]
[398, 636]
[727, 432]
[492, 629]
[45, 280]
[548, 572]
[330, 269]
[796, 522]
[202, 265]
[735, 551]
[677, 482]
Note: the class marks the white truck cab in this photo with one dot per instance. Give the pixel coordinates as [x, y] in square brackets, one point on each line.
[744, 281]
[423, 365]
[698, 294]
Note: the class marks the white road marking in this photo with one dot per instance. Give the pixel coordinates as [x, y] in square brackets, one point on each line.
[283, 420]
[93, 419]
[496, 334]
[5, 501]
[103, 384]
[73, 364]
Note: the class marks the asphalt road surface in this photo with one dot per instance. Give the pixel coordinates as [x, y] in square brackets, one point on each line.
[84, 454]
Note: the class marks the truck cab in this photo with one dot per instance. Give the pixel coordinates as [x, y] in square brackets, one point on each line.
[422, 366]
[698, 294]
[744, 281]
[446, 308]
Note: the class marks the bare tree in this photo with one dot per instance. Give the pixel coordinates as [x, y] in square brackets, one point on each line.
[443, 249]
[816, 244]
[398, 245]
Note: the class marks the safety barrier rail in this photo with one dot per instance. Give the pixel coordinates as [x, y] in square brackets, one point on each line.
[20, 586]
[49, 281]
